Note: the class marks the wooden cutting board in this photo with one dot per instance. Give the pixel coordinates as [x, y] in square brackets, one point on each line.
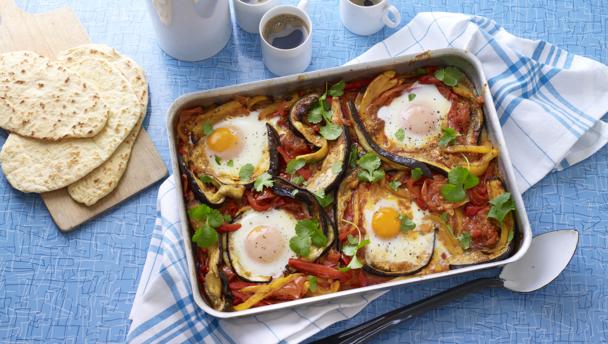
[47, 34]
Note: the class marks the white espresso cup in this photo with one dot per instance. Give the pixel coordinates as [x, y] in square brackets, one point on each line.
[249, 14]
[287, 61]
[367, 20]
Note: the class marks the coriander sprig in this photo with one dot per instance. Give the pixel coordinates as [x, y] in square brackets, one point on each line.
[370, 168]
[321, 111]
[308, 233]
[206, 235]
[459, 180]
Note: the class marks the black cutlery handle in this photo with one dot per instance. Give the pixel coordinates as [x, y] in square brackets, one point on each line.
[367, 330]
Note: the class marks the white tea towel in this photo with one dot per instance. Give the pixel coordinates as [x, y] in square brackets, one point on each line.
[549, 101]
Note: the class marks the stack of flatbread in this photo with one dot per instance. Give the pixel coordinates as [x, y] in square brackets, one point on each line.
[72, 120]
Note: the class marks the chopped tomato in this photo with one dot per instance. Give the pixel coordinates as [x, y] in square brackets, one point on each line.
[459, 116]
[483, 232]
[431, 192]
[305, 172]
[478, 195]
[229, 207]
[228, 227]
[292, 146]
[389, 95]
[257, 206]
[331, 258]
[414, 187]
[318, 270]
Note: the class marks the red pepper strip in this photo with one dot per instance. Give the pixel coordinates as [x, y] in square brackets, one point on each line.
[318, 270]
[355, 85]
[237, 285]
[255, 205]
[228, 227]
[472, 210]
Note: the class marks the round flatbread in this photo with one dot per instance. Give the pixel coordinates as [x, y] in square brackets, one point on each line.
[40, 98]
[36, 166]
[102, 180]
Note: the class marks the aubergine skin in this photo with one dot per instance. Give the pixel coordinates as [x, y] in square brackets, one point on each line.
[196, 190]
[344, 163]
[375, 271]
[400, 160]
[273, 144]
[299, 110]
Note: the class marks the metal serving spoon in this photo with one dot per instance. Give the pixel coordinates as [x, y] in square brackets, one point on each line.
[547, 257]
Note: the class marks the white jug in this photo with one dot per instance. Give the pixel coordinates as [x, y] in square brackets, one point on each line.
[191, 30]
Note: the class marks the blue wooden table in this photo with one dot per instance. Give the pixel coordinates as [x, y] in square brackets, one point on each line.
[79, 287]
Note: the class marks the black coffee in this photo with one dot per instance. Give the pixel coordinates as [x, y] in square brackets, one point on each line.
[285, 31]
[365, 2]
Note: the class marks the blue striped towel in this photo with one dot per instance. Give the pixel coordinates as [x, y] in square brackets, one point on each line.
[549, 101]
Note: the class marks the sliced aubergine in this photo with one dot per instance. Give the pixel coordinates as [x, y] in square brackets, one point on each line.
[368, 211]
[211, 191]
[369, 144]
[298, 120]
[260, 249]
[506, 240]
[216, 284]
[273, 144]
[384, 119]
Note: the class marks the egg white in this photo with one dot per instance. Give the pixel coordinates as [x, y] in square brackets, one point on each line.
[254, 142]
[426, 95]
[403, 248]
[279, 219]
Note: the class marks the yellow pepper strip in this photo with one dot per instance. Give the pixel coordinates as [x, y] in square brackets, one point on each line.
[379, 85]
[479, 167]
[317, 155]
[251, 102]
[496, 189]
[263, 291]
[468, 149]
[446, 236]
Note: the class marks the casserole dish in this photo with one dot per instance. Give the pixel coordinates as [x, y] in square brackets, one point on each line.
[460, 59]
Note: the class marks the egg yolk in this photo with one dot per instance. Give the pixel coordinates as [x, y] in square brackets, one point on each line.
[385, 223]
[224, 142]
[264, 244]
[419, 120]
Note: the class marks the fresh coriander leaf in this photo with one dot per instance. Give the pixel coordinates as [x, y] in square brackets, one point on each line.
[205, 236]
[294, 165]
[264, 180]
[294, 192]
[300, 244]
[205, 179]
[400, 134]
[352, 240]
[462, 176]
[297, 180]
[316, 114]
[394, 184]
[230, 163]
[369, 162]
[207, 128]
[354, 263]
[371, 177]
[215, 218]
[227, 218]
[199, 212]
[324, 199]
[218, 160]
[337, 90]
[353, 156]
[349, 250]
[453, 193]
[312, 230]
[312, 283]
[411, 96]
[501, 206]
[362, 243]
[377, 175]
[449, 135]
[336, 168]
[416, 173]
[246, 171]
[449, 75]
[465, 240]
[445, 217]
[331, 131]
[406, 223]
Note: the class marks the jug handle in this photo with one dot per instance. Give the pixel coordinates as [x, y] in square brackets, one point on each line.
[303, 5]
